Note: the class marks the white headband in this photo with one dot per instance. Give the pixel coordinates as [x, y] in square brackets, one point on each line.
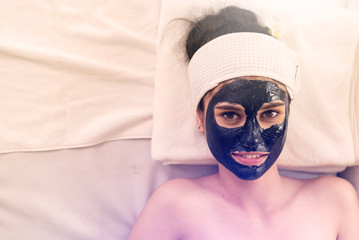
[242, 54]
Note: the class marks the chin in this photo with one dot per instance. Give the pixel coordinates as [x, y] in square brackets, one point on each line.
[249, 173]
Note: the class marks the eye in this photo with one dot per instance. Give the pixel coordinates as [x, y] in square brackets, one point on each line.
[230, 115]
[272, 113]
[230, 119]
[269, 114]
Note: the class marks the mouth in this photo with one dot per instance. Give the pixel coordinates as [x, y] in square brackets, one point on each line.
[250, 158]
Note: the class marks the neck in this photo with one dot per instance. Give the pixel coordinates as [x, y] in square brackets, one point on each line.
[264, 193]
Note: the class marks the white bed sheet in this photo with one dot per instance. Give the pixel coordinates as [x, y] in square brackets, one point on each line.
[86, 193]
[89, 193]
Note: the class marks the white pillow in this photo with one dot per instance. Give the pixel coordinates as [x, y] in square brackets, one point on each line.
[320, 132]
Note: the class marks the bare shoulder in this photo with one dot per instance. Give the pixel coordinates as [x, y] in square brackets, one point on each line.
[180, 189]
[340, 200]
[332, 190]
[337, 189]
[326, 191]
[161, 217]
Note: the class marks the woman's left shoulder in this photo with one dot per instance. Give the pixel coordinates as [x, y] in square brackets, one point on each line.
[335, 191]
[334, 186]
[339, 197]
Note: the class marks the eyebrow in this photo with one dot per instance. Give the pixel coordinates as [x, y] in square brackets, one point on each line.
[272, 105]
[229, 107]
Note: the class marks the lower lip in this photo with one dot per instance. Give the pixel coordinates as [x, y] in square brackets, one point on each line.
[249, 161]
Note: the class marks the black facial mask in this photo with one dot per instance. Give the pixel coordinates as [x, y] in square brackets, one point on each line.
[250, 137]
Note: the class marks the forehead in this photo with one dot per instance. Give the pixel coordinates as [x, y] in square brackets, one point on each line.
[258, 78]
[273, 86]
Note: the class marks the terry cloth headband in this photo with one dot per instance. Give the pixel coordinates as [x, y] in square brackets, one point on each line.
[242, 54]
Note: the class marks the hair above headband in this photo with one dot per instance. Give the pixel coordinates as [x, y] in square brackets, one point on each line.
[242, 54]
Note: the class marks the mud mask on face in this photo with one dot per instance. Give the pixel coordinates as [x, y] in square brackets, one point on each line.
[250, 137]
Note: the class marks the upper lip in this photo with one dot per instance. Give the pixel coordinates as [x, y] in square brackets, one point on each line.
[250, 154]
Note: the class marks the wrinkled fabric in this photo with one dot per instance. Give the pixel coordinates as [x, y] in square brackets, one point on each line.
[74, 73]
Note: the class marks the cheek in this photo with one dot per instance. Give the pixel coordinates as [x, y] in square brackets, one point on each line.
[274, 137]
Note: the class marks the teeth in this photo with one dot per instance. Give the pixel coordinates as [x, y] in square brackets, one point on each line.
[251, 156]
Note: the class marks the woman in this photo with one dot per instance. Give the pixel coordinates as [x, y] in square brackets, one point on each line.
[242, 81]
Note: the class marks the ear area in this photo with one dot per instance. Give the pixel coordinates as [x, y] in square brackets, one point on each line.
[199, 119]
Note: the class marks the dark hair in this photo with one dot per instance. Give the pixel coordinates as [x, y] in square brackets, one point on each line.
[228, 20]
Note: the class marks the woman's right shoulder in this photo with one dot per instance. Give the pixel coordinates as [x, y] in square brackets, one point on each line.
[179, 194]
[180, 188]
[165, 213]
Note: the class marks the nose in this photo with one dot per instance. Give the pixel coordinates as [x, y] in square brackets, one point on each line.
[251, 135]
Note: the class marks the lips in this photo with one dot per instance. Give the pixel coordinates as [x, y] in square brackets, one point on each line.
[250, 158]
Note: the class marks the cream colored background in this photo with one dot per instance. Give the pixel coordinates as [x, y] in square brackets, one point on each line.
[77, 80]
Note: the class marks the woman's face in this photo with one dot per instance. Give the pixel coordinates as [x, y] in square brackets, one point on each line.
[245, 124]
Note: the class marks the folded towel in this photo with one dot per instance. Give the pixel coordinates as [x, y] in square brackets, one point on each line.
[74, 75]
[320, 127]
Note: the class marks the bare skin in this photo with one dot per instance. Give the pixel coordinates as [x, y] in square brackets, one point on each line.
[223, 206]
